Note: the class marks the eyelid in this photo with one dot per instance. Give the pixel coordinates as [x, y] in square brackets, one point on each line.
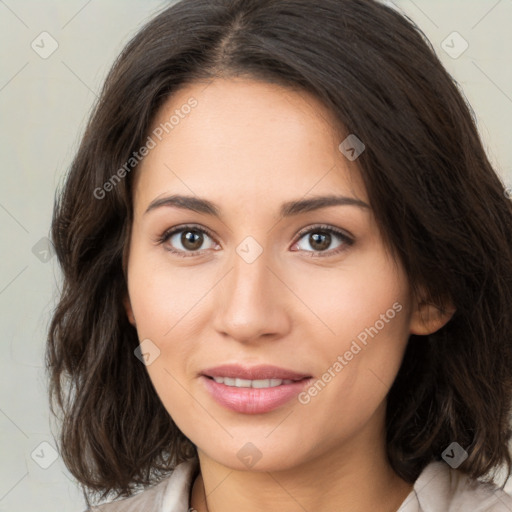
[324, 227]
[191, 227]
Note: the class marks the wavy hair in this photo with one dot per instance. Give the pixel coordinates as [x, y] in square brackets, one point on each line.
[440, 206]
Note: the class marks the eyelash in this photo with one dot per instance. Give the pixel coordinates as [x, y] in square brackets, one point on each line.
[346, 240]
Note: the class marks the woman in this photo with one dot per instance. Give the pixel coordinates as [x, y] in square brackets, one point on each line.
[287, 271]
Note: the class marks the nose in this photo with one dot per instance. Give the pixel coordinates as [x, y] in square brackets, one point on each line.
[252, 303]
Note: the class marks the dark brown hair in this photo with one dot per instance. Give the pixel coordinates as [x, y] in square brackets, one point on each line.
[440, 206]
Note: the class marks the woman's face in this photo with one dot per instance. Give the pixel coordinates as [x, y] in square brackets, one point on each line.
[270, 339]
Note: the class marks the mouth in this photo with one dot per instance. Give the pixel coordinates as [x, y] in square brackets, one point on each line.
[246, 383]
[253, 390]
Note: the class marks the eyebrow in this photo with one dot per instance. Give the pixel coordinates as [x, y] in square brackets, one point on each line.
[288, 209]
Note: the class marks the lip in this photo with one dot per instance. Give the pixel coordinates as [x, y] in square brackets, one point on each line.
[253, 400]
[235, 371]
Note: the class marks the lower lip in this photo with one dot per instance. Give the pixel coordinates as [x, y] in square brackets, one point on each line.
[253, 400]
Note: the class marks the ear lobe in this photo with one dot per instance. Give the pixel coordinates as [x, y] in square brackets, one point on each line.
[428, 318]
[129, 311]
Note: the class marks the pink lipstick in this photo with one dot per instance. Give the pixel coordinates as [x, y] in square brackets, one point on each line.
[253, 390]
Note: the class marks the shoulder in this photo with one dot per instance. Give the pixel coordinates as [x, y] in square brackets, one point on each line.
[441, 488]
[169, 495]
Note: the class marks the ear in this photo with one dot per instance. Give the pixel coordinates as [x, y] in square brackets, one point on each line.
[428, 318]
[129, 311]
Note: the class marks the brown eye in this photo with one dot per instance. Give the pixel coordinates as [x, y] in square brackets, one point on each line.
[191, 240]
[319, 242]
[322, 239]
[187, 240]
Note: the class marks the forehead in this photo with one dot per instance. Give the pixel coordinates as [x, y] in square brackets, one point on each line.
[247, 141]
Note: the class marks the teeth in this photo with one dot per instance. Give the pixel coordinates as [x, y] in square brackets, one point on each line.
[245, 383]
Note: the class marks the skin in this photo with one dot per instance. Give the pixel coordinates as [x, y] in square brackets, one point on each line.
[248, 147]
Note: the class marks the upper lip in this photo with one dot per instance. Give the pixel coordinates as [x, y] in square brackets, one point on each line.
[260, 372]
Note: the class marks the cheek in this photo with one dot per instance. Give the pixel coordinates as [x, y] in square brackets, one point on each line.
[366, 294]
[168, 303]
[364, 314]
[162, 294]
[163, 301]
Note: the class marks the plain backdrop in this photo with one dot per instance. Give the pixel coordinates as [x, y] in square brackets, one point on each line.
[54, 56]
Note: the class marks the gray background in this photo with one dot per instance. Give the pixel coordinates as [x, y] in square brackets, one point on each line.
[44, 103]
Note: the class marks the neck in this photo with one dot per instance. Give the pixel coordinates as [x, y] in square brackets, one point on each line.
[355, 477]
